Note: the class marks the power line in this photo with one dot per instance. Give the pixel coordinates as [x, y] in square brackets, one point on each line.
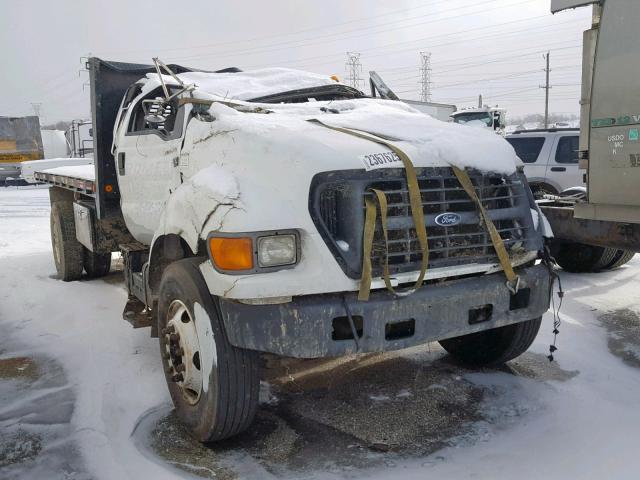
[306, 61]
[509, 59]
[297, 32]
[323, 39]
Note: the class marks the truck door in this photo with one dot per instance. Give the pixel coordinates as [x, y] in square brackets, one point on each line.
[147, 155]
[563, 164]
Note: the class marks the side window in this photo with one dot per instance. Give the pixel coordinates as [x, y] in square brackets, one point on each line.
[527, 148]
[567, 151]
[150, 116]
[131, 93]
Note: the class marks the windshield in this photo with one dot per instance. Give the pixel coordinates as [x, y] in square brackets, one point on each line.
[319, 94]
[483, 117]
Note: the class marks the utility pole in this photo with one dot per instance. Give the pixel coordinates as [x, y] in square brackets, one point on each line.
[546, 91]
[36, 108]
[425, 76]
[353, 68]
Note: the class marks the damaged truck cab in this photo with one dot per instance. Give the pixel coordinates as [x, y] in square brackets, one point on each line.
[283, 212]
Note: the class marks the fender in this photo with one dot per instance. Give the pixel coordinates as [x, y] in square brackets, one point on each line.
[203, 200]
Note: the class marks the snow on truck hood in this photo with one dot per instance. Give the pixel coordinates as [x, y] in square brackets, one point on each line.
[427, 141]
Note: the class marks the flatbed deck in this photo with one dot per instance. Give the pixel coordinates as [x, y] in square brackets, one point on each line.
[78, 178]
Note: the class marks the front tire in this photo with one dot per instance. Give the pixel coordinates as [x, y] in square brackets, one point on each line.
[214, 385]
[493, 347]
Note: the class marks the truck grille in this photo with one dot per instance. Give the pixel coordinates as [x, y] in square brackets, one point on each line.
[337, 206]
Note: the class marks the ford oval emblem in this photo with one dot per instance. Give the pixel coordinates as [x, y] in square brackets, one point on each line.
[448, 219]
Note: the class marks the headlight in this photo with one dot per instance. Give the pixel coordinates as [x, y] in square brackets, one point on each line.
[277, 250]
[254, 252]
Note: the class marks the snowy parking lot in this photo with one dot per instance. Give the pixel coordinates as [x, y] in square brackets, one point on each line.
[82, 394]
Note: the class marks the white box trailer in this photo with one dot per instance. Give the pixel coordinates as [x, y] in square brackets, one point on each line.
[441, 111]
[602, 225]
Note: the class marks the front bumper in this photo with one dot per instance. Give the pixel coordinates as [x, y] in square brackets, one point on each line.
[313, 326]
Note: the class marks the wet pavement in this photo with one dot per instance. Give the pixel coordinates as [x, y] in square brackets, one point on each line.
[341, 417]
[623, 328]
[36, 404]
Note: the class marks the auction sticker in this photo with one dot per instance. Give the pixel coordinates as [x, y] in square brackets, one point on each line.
[374, 161]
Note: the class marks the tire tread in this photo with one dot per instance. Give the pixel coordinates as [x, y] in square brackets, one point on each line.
[493, 347]
[238, 372]
[71, 251]
[622, 257]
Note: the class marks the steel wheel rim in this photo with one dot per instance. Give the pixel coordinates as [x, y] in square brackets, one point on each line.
[181, 351]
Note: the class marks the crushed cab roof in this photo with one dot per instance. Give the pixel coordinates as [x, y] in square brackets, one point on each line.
[245, 85]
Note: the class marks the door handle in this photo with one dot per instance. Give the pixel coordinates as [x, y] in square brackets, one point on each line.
[121, 163]
[558, 169]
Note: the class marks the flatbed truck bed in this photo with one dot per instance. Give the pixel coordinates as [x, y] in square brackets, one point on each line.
[78, 178]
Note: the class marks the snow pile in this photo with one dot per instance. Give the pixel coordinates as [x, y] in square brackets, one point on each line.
[84, 172]
[27, 169]
[425, 138]
[246, 85]
[427, 141]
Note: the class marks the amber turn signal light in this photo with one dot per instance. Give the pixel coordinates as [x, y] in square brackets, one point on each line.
[231, 253]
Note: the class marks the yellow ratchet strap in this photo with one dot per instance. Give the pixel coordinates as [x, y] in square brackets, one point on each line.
[513, 281]
[417, 213]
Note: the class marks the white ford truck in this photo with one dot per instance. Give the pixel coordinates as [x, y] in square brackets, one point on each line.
[241, 202]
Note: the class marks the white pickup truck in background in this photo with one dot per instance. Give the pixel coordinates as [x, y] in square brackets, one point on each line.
[550, 158]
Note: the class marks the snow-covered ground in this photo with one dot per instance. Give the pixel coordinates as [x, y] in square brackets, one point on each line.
[82, 394]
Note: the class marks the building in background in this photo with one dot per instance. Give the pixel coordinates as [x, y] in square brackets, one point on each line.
[20, 140]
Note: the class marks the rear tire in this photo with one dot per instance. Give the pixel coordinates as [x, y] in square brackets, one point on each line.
[493, 347]
[621, 257]
[67, 251]
[581, 258]
[224, 402]
[96, 264]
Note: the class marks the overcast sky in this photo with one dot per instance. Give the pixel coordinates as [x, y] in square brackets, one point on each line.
[493, 47]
